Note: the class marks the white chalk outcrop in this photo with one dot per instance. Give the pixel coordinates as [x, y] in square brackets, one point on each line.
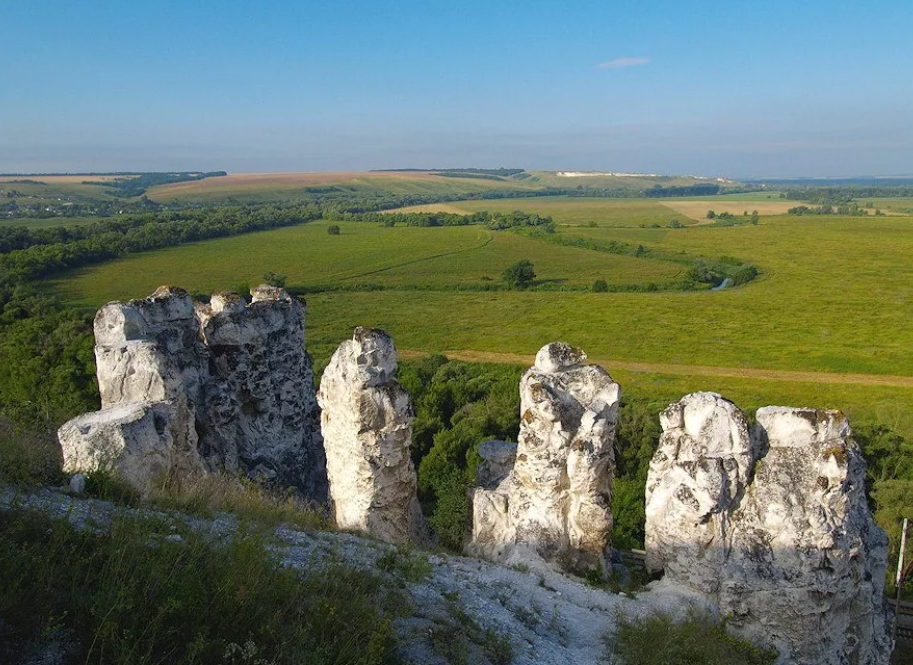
[696, 478]
[774, 528]
[261, 416]
[366, 418]
[188, 388]
[556, 503]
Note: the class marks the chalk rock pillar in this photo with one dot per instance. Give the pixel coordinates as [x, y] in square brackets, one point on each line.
[366, 418]
[696, 478]
[261, 414]
[151, 368]
[773, 528]
[561, 503]
[188, 388]
[492, 533]
[555, 505]
[806, 567]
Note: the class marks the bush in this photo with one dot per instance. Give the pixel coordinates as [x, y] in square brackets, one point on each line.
[274, 279]
[600, 286]
[520, 275]
[333, 230]
[28, 460]
[697, 640]
[133, 596]
[452, 514]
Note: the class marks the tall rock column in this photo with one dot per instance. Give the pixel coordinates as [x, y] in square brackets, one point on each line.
[366, 418]
[151, 368]
[561, 503]
[555, 505]
[773, 528]
[807, 564]
[261, 411]
[696, 478]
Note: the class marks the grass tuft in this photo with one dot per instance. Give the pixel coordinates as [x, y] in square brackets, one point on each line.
[207, 495]
[698, 639]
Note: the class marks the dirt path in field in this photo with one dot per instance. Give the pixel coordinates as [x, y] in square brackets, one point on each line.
[892, 381]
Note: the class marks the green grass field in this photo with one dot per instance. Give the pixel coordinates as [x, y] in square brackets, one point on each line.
[434, 258]
[38, 223]
[835, 296]
[902, 204]
[571, 210]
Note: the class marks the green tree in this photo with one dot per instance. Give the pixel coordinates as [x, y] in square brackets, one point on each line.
[519, 275]
[711, 214]
[755, 217]
[274, 278]
[600, 286]
[333, 230]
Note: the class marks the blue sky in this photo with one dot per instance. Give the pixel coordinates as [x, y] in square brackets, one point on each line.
[780, 88]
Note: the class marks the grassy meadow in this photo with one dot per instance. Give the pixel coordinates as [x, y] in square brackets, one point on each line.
[569, 210]
[572, 210]
[835, 296]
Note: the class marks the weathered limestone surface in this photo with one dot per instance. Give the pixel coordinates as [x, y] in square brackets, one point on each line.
[696, 478]
[261, 413]
[775, 529]
[366, 419]
[491, 529]
[230, 386]
[139, 441]
[558, 498]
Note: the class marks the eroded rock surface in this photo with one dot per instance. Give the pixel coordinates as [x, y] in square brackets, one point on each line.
[696, 478]
[774, 528]
[556, 504]
[261, 414]
[227, 386]
[366, 419]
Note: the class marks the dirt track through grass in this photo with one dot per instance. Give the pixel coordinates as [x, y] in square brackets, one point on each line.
[468, 355]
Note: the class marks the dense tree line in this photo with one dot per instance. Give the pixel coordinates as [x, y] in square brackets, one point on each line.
[846, 193]
[850, 209]
[12, 207]
[32, 253]
[493, 220]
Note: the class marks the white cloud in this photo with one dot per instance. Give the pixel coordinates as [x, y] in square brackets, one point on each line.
[619, 63]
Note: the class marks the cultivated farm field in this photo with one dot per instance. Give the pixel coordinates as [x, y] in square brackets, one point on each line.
[268, 187]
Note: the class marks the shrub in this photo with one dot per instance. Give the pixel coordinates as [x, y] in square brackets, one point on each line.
[600, 286]
[698, 639]
[452, 514]
[132, 596]
[28, 460]
[274, 279]
[520, 275]
[333, 230]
